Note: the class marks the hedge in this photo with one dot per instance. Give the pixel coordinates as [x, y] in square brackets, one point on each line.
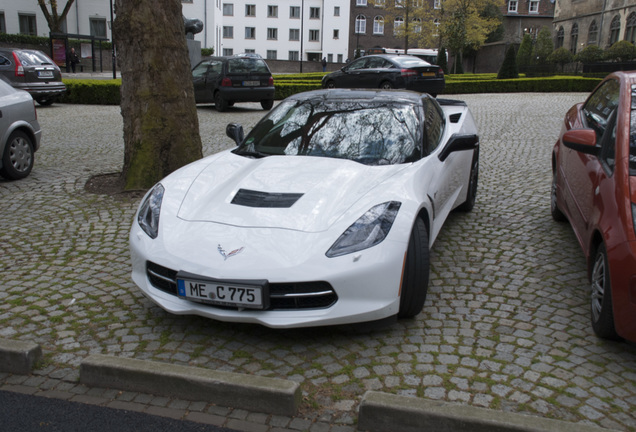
[106, 92]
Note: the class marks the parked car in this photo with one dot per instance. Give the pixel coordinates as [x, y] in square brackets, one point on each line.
[324, 214]
[594, 187]
[33, 71]
[227, 80]
[20, 132]
[388, 71]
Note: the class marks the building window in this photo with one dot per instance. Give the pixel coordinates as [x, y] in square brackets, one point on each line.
[379, 3]
[98, 27]
[417, 25]
[250, 32]
[560, 38]
[361, 24]
[250, 51]
[272, 55]
[228, 51]
[3, 26]
[294, 11]
[630, 28]
[534, 7]
[418, 3]
[272, 33]
[28, 25]
[592, 34]
[293, 55]
[228, 9]
[512, 6]
[250, 10]
[294, 34]
[314, 35]
[615, 30]
[336, 11]
[399, 3]
[272, 11]
[329, 58]
[314, 13]
[339, 58]
[361, 2]
[336, 34]
[437, 4]
[228, 32]
[574, 38]
[397, 25]
[378, 25]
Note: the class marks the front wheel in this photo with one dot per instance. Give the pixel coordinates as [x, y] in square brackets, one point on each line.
[331, 85]
[17, 160]
[416, 271]
[601, 297]
[267, 104]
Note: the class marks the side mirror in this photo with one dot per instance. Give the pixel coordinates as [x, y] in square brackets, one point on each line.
[235, 131]
[581, 140]
[459, 142]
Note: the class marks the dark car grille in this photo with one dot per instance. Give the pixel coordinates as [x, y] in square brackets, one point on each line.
[250, 198]
[290, 296]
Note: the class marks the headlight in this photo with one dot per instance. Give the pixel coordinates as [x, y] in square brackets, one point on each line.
[148, 217]
[367, 231]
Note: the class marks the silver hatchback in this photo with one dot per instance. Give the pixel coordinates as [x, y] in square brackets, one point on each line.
[33, 71]
[20, 132]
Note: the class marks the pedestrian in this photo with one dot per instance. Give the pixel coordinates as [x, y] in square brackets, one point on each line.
[73, 59]
[324, 64]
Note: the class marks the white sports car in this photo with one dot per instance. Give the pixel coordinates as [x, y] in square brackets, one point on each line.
[324, 214]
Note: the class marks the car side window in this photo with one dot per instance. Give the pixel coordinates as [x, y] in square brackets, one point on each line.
[599, 107]
[216, 67]
[608, 145]
[200, 70]
[434, 124]
[4, 61]
[358, 64]
[376, 63]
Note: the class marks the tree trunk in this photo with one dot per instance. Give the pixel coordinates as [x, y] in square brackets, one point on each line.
[161, 127]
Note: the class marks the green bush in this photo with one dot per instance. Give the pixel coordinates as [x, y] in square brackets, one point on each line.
[621, 51]
[509, 66]
[92, 92]
[442, 60]
[524, 55]
[25, 39]
[590, 54]
[544, 46]
[207, 52]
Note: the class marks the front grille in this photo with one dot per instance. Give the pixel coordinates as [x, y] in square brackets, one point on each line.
[283, 296]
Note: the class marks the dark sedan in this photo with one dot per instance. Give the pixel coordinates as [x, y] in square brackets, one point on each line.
[33, 71]
[388, 71]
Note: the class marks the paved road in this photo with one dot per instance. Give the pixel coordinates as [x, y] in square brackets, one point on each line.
[505, 326]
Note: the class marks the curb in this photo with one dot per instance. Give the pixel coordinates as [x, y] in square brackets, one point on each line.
[383, 412]
[254, 393]
[18, 357]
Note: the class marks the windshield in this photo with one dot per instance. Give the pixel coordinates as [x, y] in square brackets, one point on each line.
[371, 133]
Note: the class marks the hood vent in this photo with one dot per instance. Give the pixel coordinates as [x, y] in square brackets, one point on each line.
[454, 118]
[250, 198]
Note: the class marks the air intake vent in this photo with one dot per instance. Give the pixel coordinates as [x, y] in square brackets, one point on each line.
[454, 118]
[250, 198]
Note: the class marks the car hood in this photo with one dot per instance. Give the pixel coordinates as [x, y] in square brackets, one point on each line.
[290, 192]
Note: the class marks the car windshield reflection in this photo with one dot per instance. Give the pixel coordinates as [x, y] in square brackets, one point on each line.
[368, 133]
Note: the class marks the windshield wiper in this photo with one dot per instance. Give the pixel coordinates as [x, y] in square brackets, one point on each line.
[254, 154]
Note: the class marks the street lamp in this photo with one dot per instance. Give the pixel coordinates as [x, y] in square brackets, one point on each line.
[302, 21]
[112, 39]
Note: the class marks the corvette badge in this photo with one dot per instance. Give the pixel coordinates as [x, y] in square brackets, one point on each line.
[230, 254]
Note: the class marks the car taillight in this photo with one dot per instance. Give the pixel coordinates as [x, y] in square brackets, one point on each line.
[226, 82]
[19, 69]
[440, 73]
[271, 81]
[408, 72]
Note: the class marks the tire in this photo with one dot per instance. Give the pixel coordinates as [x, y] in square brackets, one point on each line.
[220, 103]
[557, 214]
[601, 297]
[471, 195]
[386, 85]
[331, 85]
[416, 272]
[267, 104]
[17, 160]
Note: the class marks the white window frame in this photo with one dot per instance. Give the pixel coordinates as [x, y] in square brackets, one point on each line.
[250, 32]
[361, 24]
[272, 33]
[513, 6]
[228, 32]
[378, 25]
[294, 12]
[361, 2]
[228, 9]
[272, 11]
[314, 13]
[250, 10]
[314, 35]
[294, 34]
[533, 6]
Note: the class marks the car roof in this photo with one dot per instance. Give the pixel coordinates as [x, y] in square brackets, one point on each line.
[370, 95]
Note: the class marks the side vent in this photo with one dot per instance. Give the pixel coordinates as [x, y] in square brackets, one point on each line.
[250, 198]
[454, 118]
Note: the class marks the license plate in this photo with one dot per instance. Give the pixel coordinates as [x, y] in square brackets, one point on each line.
[251, 83]
[45, 74]
[223, 293]
[428, 73]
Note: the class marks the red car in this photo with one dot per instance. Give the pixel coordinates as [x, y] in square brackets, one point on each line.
[594, 187]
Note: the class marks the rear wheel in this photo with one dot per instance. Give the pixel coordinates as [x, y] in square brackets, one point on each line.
[267, 104]
[386, 85]
[17, 160]
[471, 194]
[220, 103]
[601, 297]
[45, 101]
[416, 271]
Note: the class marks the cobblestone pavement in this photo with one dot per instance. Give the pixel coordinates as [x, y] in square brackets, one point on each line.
[506, 324]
